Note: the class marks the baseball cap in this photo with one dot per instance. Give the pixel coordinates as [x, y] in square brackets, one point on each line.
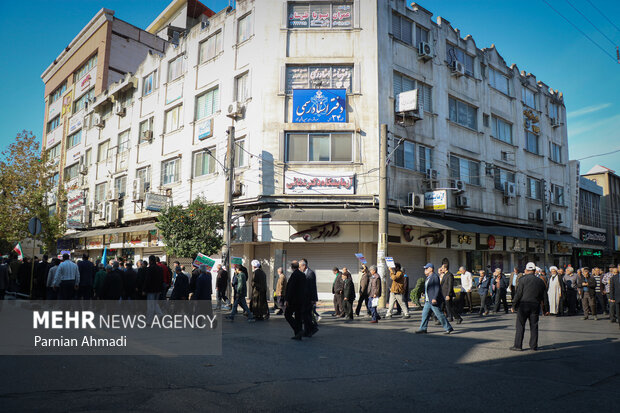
[429, 265]
[530, 266]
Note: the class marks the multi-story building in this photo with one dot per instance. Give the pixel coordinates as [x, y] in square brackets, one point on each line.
[307, 85]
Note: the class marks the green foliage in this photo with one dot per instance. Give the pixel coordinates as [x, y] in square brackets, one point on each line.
[192, 229]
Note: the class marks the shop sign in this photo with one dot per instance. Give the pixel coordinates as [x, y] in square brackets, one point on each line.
[116, 240]
[86, 82]
[76, 209]
[67, 100]
[204, 129]
[431, 238]
[137, 240]
[337, 184]
[463, 241]
[531, 121]
[331, 229]
[155, 202]
[94, 243]
[562, 248]
[319, 105]
[491, 242]
[436, 200]
[590, 253]
[592, 237]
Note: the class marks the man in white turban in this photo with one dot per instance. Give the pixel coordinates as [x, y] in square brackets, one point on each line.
[554, 291]
[258, 303]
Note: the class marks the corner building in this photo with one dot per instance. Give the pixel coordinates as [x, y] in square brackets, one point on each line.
[309, 84]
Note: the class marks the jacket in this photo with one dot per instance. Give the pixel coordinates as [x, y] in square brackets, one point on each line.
[503, 283]
[241, 285]
[614, 288]
[433, 290]
[398, 282]
[153, 280]
[364, 279]
[4, 276]
[129, 282]
[483, 285]
[338, 284]
[374, 286]
[591, 285]
[204, 291]
[98, 284]
[112, 288]
[310, 292]
[181, 287]
[281, 286]
[221, 281]
[259, 281]
[87, 273]
[531, 289]
[295, 289]
[349, 289]
[447, 285]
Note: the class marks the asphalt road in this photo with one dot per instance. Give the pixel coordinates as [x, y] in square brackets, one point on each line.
[345, 367]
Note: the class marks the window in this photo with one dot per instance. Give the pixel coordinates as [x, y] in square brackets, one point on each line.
[319, 147]
[102, 152]
[421, 34]
[123, 142]
[72, 171]
[120, 186]
[148, 84]
[173, 119]
[403, 83]
[404, 154]
[463, 114]
[402, 28]
[334, 15]
[56, 94]
[145, 126]
[502, 130]
[207, 104]
[175, 68]
[557, 194]
[53, 152]
[458, 54]
[502, 176]
[88, 157]
[555, 152]
[53, 124]
[170, 171]
[589, 208]
[240, 157]
[82, 101]
[145, 175]
[54, 180]
[74, 139]
[465, 170]
[85, 68]
[242, 91]
[531, 141]
[318, 77]
[499, 81]
[534, 188]
[554, 111]
[425, 158]
[244, 28]
[529, 98]
[100, 192]
[210, 47]
[204, 163]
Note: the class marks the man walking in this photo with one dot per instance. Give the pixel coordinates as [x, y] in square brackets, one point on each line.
[374, 292]
[447, 289]
[397, 290]
[587, 285]
[221, 284]
[295, 296]
[484, 283]
[500, 285]
[614, 291]
[258, 302]
[280, 290]
[363, 299]
[348, 296]
[203, 285]
[529, 298]
[467, 283]
[434, 299]
[337, 291]
[310, 299]
[242, 291]
[606, 290]
[87, 278]
[67, 278]
[152, 288]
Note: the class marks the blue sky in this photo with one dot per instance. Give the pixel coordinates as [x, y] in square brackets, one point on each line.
[529, 34]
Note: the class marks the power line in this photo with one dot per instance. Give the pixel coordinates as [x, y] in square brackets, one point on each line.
[603, 14]
[589, 21]
[580, 31]
[600, 154]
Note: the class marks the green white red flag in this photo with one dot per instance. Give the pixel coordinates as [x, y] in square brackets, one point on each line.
[18, 250]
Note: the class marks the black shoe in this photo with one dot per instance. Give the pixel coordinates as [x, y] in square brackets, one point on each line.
[513, 348]
[449, 331]
[297, 336]
[420, 331]
[459, 321]
[534, 348]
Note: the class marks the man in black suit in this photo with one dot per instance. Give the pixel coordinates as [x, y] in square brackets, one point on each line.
[310, 299]
[434, 299]
[447, 289]
[295, 297]
[614, 291]
[528, 300]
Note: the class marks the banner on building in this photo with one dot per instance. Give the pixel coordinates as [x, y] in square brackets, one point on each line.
[592, 237]
[76, 209]
[319, 105]
[333, 184]
[436, 200]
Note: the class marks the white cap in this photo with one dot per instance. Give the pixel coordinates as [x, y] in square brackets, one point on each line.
[553, 268]
[538, 269]
[530, 266]
[256, 263]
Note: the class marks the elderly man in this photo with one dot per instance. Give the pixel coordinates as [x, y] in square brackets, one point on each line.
[374, 292]
[397, 291]
[606, 290]
[467, 283]
[434, 299]
[529, 297]
[587, 287]
[67, 277]
[571, 284]
[500, 286]
[614, 291]
[280, 290]
[204, 289]
[554, 291]
[258, 302]
[241, 291]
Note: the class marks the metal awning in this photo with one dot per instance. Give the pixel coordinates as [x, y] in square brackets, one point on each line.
[106, 231]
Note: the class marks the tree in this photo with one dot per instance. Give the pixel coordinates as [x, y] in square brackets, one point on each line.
[25, 184]
[192, 229]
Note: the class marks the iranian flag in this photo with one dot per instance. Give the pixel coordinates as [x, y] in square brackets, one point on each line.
[18, 250]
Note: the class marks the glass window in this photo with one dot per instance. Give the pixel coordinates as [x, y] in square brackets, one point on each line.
[123, 142]
[53, 124]
[421, 34]
[204, 163]
[297, 147]
[53, 152]
[145, 127]
[458, 54]
[207, 104]
[531, 142]
[240, 157]
[244, 28]
[74, 139]
[319, 147]
[529, 98]
[82, 101]
[100, 192]
[72, 171]
[56, 94]
[242, 90]
[318, 77]
[341, 147]
[333, 15]
[555, 152]
[173, 119]
[210, 47]
[88, 157]
[465, 170]
[502, 176]
[404, 83]
[175, 68]
[554, 111]
[533, 188]
[402, 28]
[557, 194]
[425, 158]
[463, 114]
[85, 68]
[170, 171]
[145, 175]
[102, 151]
[120, 186]
[502, 130]
[404, 154]
[499, 81]
[148, 84]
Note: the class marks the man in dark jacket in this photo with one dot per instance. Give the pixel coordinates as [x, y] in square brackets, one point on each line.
[484, 284]
[129, 281]
[180, 291]
[500, 285]
[221, 285]
[614, 291]
[140, 277]
[447, 289]
[363, 299]
[295, 297]
[204, 290]
[587, 288]
[337, 291]
[529, 299]
[87, 278]
[40, 277]
[348, 295]
[112, 288]
[152, 288]
[310, 299]
[434, 299]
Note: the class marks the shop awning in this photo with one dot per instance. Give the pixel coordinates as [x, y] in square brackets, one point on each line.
[106, 231]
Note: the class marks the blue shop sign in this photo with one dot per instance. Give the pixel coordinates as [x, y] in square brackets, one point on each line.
[319, 105]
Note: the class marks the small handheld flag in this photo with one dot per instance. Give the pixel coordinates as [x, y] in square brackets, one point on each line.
[18, 250]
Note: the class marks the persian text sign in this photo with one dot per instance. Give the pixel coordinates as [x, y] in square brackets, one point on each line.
[295, 183]
[436, 200]
[76, 212]
[593, 237]
[319, 105]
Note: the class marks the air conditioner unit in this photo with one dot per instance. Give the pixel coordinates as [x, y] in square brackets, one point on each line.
[93, 206]
[119, 109]
[117, 193]
[238, 189]
[458, 68]
[462, 202]
[235, 110]
[415, 200]
[204, 22]
[458, 185]
[431, 174]
[555, 122]
[148, 135]
[510, 190]
[111, 212]
[531, 216]
[101, 209]
[425, 51]
[138, 189]
[539, 214]
[97, 121]
[110, 196]
[557, 216]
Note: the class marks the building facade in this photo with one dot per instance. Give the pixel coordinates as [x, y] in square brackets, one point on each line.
[307, 86]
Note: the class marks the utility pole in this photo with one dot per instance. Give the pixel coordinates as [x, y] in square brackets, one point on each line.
[543, 183]
[382, 245]
[228, 190]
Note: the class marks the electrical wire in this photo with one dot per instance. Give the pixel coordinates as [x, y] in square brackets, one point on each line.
[604, 15]
[589, 21]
